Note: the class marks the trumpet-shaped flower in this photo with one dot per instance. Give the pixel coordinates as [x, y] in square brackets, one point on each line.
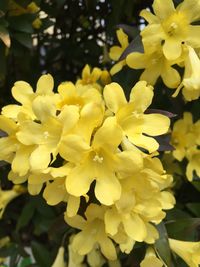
[188, 251]
[155, 64]
[59, 260]
[173, 26]
[47, 135]
[77, 95]
[116, 52]
[191, 79]
[183, 136]
[136, 125]
[99, 162]
[151, 260]
[90, 77]
[92, 233]
[24, 94]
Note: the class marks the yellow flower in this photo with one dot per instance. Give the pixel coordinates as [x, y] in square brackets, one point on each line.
[191, 79]
[92, 233]
[188, 251]
[23, 93]
[16, 10]
[90, 77]
[99, 162]
[71, 94]
[59, 261]
[155, 64]
[173, 26]
[183, 136]
[46, 136]
[136, 125]
[6, 196]
[193, 156]
[116, 52]
[151, 260]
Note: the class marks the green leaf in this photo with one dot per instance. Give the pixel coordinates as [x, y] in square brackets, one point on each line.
[184, 229]
[194, 208]
[23, 38]
[162, 245]
[22, 23]
[26, 215]
[41, 254]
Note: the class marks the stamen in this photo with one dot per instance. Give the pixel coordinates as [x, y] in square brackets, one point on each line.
[98, 159]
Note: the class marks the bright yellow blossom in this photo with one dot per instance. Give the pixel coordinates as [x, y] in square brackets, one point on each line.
[191, 80]
[92, 233]
[116, 52]
[173, 26]
[136, 125]
[155, 64]
[188, 251]
[23, 93]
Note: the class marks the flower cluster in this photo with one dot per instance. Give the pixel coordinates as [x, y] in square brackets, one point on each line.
[169, 39]
[88, 146]
[186, 140]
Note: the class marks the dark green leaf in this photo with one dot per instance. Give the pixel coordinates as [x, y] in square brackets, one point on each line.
[26, 215]
[41, 254]
[194, 208]
[162, 245]
[184, 229]
[24, 38]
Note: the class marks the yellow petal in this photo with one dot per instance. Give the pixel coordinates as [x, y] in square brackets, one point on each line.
[59, 261]
[73, 204]
[45, 85]
[55, 192]
[115, 52]
[110, 130]
[108, 248]
[107, 189]
[172, 48]
[146, 142]
[40, 158]
[117, 67]
[171, 77]
[137, 60]
[163, 9]
[155, 124]
[112, 221]
[79, 180]
[7, 125]
[44, 107]
[11, 111]
[148, 16]
[114, 97]
[22, 92]
[135, 227]
[141, 95]
[193, 35]
[122, 37]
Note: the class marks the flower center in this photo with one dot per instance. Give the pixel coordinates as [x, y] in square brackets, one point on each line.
[46, 134]
[98, 159]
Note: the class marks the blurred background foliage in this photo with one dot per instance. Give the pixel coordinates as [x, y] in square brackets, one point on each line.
[60, 37]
